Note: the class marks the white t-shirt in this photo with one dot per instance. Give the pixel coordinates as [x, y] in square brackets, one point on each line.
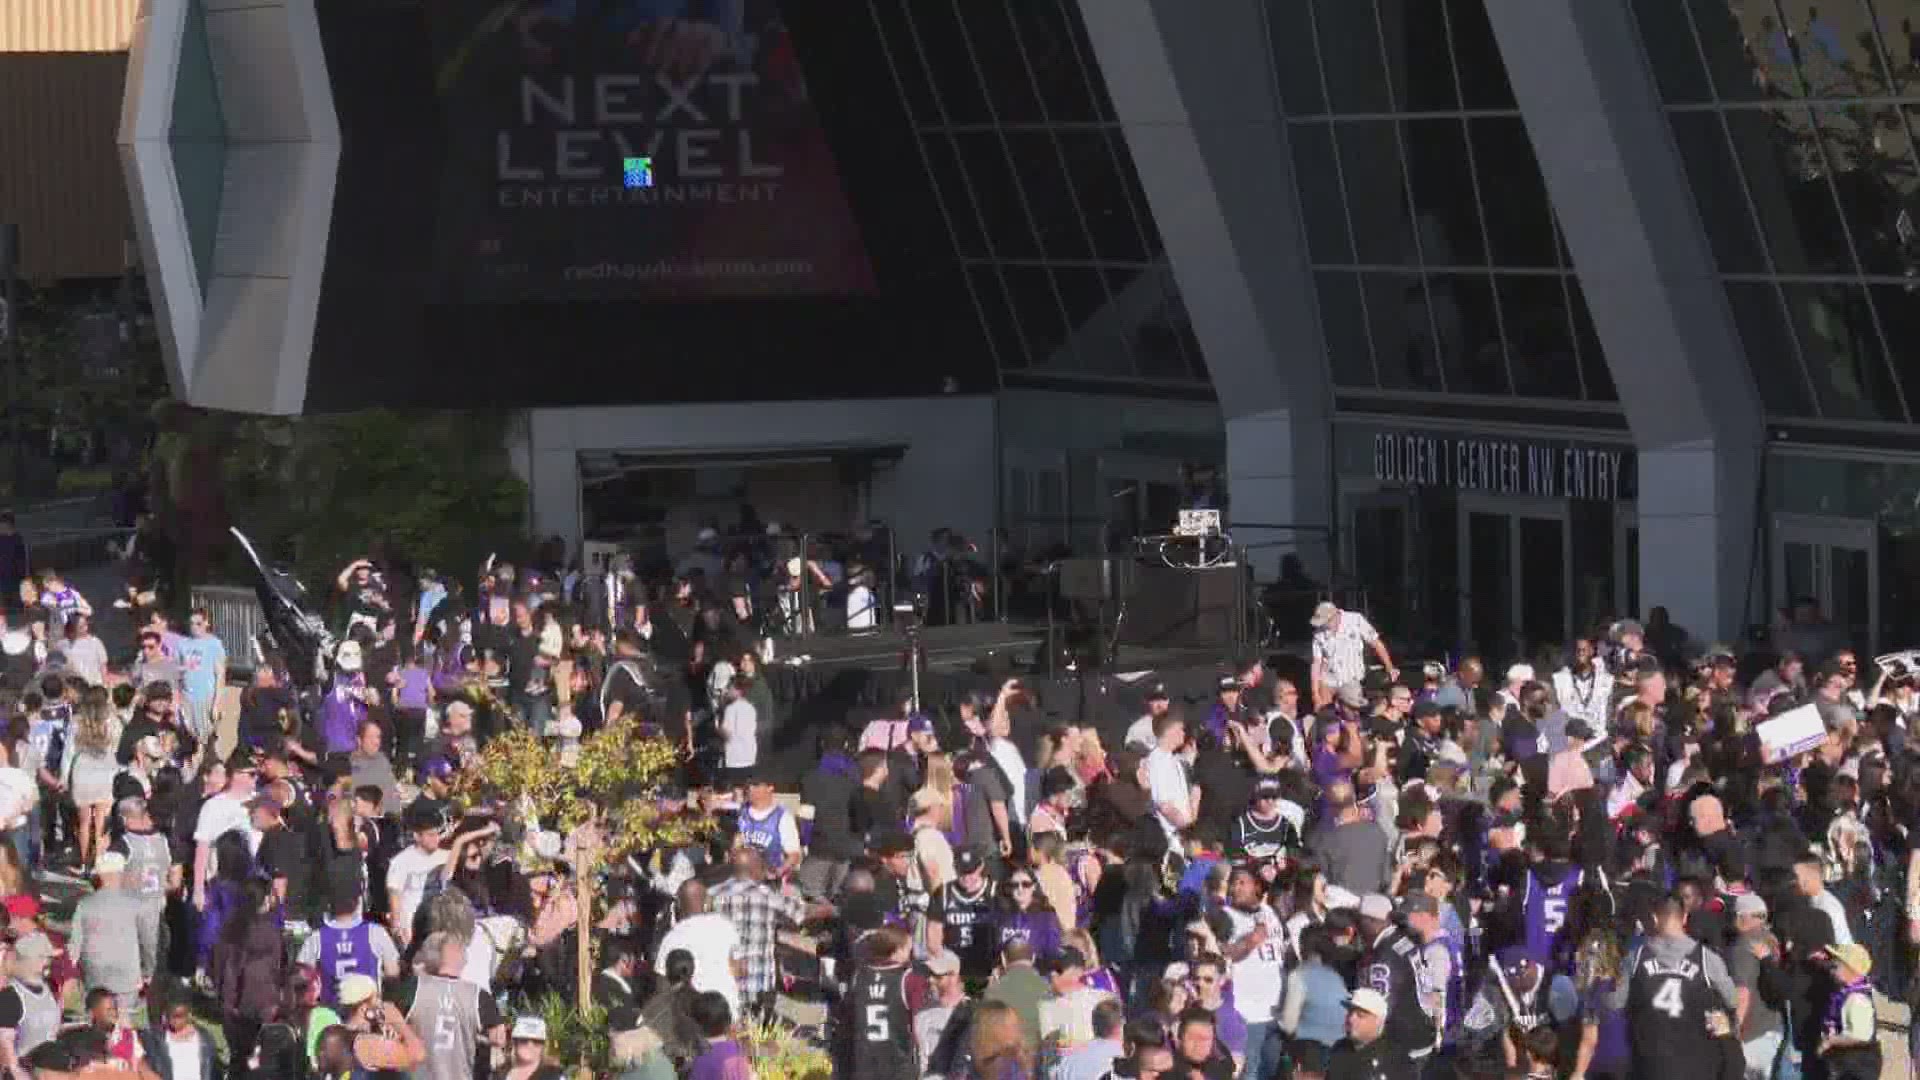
[715, 944]
[741, 725]
[1140, 734]
[861, 614]
[407, 877]
[219, 816]
[1167, 783]
[1260, 977]
[1015, 766]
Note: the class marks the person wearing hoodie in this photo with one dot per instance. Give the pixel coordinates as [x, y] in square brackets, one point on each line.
[826, 819]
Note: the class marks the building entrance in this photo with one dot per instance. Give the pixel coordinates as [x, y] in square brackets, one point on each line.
[1514, 584]
[1835, 564]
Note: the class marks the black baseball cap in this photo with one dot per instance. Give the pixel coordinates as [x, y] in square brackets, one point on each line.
[967, 861]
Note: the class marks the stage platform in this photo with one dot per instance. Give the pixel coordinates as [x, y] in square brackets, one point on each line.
[851, 679]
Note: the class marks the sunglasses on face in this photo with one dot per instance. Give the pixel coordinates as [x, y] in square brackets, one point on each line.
[1019, 884]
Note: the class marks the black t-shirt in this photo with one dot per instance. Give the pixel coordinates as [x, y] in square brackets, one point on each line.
[284, 853]
[523, 652]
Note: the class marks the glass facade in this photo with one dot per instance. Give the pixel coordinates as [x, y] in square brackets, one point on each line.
[1796, 123]
[1438, 263]
[1036, 185]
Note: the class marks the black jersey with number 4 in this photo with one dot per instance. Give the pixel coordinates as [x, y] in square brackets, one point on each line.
[880, 1029]
[1667, 1005]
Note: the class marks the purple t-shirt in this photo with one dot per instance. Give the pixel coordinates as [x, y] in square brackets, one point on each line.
[722, 1060]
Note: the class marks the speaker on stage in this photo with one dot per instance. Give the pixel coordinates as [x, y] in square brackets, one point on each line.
[1179, 608]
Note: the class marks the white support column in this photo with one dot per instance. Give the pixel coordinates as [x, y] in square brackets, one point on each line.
[1620, 191]
[1192, 84]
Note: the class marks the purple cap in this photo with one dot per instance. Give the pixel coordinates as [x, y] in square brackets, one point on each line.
[919, 723]
[437, 768]
[1513, 960]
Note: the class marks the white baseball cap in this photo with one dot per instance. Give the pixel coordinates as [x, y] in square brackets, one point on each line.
[355, 989]
[1368, 999]
[1376, 906]
[529, 1029]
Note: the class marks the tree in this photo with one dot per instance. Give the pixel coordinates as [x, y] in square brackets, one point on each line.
[435, 489]
[605, 800]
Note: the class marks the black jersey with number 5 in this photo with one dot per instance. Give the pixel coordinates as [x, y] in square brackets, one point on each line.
[880, 1029]
[1667, 1005]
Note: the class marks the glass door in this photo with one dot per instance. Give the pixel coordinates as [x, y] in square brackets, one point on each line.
[1380, 556]
[1515, 590]
[1832, 563]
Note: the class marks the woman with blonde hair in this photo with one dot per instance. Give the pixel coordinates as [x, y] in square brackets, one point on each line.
[89, 768]
[999, 1044]
[1098, 977]
[1603, 1051]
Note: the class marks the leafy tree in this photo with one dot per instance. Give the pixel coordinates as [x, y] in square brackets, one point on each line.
[435, 489]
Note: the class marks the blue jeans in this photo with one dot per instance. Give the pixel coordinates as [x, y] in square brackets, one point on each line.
[1263, 1050]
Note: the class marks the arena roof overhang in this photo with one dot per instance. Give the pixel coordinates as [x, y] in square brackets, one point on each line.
[230, 144]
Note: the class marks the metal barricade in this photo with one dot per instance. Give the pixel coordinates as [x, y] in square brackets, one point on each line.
[237, 620]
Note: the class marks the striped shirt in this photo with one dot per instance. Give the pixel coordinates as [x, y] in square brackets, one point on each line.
[1341, 650]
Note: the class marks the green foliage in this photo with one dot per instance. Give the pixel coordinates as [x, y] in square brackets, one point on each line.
[319, 492]
[575, 1037]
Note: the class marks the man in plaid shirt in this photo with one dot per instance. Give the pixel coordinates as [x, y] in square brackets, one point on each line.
[757, 911]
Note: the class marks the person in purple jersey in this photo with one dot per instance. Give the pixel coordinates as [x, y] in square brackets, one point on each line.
[348, 944]
[1553, 903]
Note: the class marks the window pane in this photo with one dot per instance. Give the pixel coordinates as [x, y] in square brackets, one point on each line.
[1103, 196]
[1071, 87]
[1318, 178]
[935, 33]
[1875, 178]
[1470, 332]
[1165, 346]
[1718, 193]
[1850, 374]
[1099, 346]
[984, 160]
[1055, 205]
[1782, 155]
[1350, 55]
[1899, 310]
[950, 184]
[1037, 311]
[1421, 73]
[1539, 336]
[989, 38]
[897, 40]
[1667, 35]
[1376, 193]
[1519, 218]
[1344, 324]
[1593, 358]
[1295, 66]
[1443, 190]
[1412, 335]
[1476, 56]
[997, 315]
[1122, 157]
[1767, 339]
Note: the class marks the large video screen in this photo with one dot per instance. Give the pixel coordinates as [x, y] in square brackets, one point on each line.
[487, 248]
[613, 148]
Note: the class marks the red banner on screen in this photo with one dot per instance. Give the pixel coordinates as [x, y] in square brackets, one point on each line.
[551, 109]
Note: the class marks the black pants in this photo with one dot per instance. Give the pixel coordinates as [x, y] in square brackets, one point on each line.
[242, 1036]
[409, 731]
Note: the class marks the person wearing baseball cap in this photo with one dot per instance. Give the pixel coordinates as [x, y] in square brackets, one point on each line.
[1387, 966]
[107, 934]
[1761, 1032]
[530, 1050]
[1340, 643]
[1367, 1051]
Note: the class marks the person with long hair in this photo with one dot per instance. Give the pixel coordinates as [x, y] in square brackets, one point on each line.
[1000, 1049]
[1602, 1052]
[249, 967]
[89, 766]
[226, 894]
[86, 654]
[1021, 913]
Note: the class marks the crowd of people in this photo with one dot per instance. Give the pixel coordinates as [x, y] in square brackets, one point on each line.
[1323, 867]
